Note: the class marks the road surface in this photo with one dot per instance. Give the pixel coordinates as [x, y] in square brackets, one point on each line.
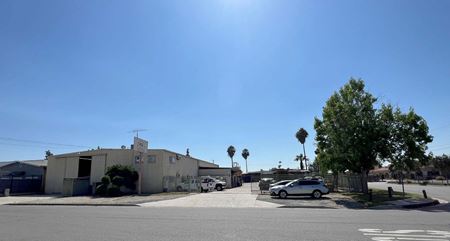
[135, 223]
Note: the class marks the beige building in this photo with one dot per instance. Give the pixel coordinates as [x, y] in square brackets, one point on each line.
[161, 169]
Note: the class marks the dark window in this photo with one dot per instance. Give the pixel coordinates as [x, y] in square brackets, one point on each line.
[309, 183]
[84, 166]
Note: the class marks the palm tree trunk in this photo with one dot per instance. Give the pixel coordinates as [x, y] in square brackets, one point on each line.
[246, 167]
[231, 162]
[304, 156]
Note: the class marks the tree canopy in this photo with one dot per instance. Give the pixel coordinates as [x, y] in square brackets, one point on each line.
[353, 135]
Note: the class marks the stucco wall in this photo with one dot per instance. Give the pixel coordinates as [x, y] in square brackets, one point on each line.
[55, 175]
[153, 172]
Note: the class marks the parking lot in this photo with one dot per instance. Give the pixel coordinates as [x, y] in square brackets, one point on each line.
[240, 197]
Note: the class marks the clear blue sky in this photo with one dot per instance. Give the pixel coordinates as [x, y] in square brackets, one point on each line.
[208, 74]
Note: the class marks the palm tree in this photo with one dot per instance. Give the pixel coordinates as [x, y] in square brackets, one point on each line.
[245, 154]
[299, 159]
[301, 135]
[231, 150]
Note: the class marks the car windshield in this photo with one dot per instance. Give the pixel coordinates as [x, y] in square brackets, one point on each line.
[281, 183]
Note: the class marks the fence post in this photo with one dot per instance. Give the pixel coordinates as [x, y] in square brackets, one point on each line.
[390, 190]
[424, 194]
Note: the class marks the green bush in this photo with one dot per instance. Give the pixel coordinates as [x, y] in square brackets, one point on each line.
[106, 180]
[114, 191]
[101, 189]
[129, 175]
[118, 181]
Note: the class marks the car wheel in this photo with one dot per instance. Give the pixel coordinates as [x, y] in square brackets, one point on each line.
[282, 194]
[317, 194]
[179, 189]
[219, 188]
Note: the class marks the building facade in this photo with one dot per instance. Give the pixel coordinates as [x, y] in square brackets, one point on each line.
[161, 169]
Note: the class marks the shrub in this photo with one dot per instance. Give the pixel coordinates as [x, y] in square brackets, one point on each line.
[101, 189]
[118, 181]
[424, 183]
[440, 178]
[114, 191]
[129, 175]
[106, 180]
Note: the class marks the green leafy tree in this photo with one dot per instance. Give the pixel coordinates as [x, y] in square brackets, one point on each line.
[48, 153]
[347, 135]
[231, 151]
[245, 155]
[442, 163]
[406, 144]
[301, 136]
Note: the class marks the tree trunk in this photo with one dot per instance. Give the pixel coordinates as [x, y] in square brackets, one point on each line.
[364, 185]
[335, 181]
[403, 184]
[246, 167]
[304, 156]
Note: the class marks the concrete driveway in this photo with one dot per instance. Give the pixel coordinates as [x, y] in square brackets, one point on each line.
[240, 197]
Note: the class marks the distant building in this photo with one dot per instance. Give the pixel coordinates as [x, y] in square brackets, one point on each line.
[23, 176]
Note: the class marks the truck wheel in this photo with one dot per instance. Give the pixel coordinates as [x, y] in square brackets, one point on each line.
[219, 188]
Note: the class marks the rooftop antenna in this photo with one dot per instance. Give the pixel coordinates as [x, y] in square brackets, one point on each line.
[137, 131]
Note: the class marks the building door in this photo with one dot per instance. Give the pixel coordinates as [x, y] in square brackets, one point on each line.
[84, 166]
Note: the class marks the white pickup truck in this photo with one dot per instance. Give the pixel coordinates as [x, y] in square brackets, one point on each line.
[209, 184]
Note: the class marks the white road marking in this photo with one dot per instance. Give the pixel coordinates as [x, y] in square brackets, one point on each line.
[407, 234]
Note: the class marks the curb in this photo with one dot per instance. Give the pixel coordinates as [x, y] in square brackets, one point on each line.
[72, 204]
[316, 207]
[419, 205]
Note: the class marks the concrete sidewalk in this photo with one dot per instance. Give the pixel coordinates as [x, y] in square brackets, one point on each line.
[240, 197]
[24, 198]
[129, 200]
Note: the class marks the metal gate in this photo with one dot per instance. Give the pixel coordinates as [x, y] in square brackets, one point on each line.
[23, 184]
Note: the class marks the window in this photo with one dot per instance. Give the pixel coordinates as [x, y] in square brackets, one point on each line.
[309, 182]
[172, 160]
[151, 159]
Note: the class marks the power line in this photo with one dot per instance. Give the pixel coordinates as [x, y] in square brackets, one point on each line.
[41, 142]
[33, 145]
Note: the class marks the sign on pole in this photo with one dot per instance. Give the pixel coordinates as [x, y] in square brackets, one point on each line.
[140, 145]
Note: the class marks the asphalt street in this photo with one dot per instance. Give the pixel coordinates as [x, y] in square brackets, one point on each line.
[135, 223]
[436, 191]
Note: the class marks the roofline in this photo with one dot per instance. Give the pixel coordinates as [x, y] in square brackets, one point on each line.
[22, 162]
[119, 149]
